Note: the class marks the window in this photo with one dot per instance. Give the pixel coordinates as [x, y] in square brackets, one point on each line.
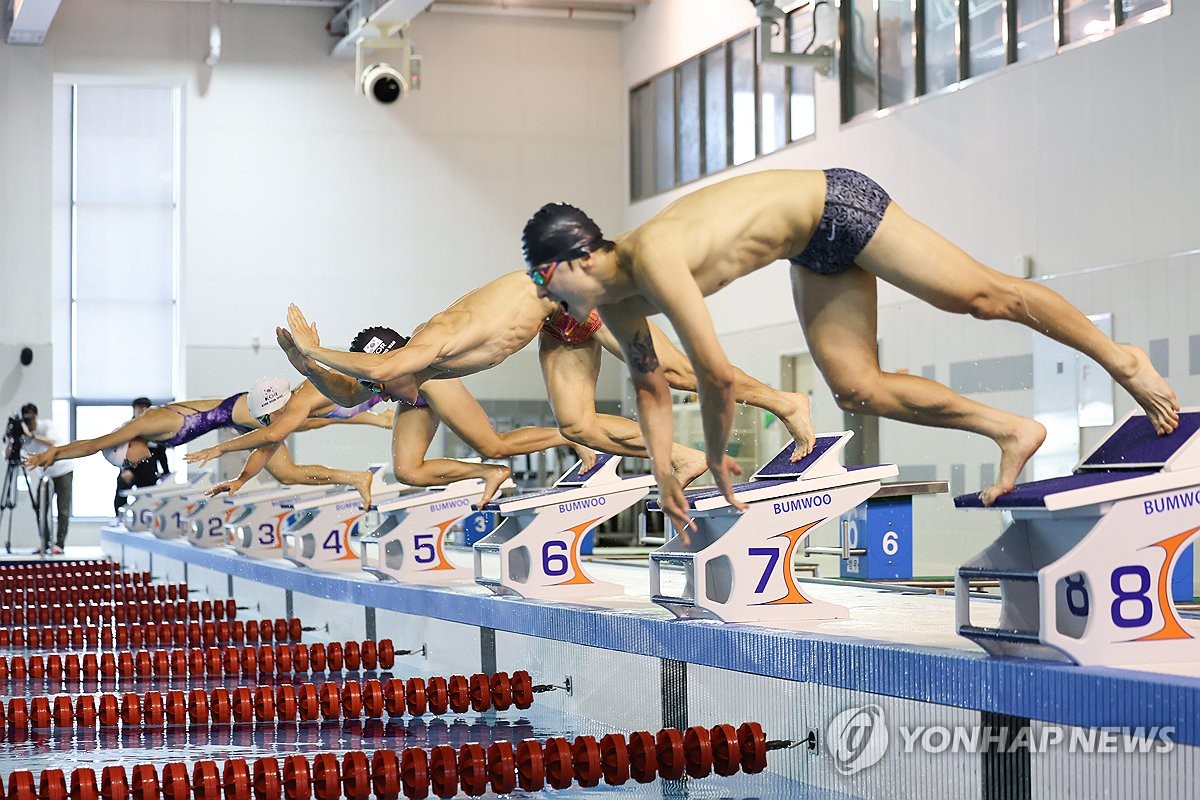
[116, 263]
[664, 131]
[803, 104]
[716, 110]
[689, 121]
[896, 50]
[897, 68]
[985, 33]
[745, 117]
[861, 90]
[1035, 29]
[773, 100]
[941, 44]
[1084, 18]
[641, 141]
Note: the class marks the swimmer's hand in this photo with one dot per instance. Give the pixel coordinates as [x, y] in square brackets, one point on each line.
[304, 333]
[721, 469]
[229, 487]
[675, 506]
[287, 344]
[202, 457]
[42, 459]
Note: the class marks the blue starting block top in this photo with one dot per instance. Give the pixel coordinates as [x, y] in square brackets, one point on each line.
[1135, 444]
[574, 478]
[1132, 450]
[782, 466]
[577, 476]
[1033, 495]
[701, 493]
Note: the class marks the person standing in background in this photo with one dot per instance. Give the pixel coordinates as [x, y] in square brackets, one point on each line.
[41, 435]
[144, 473]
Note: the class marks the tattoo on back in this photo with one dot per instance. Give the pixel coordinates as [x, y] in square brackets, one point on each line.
[641, 353]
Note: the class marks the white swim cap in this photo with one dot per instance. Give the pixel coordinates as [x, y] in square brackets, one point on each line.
[267, 395]
[115, 455]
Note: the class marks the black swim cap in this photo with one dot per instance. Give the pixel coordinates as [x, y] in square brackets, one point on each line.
[377, 339]
[560, 232]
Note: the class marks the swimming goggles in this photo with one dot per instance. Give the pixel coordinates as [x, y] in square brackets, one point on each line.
[540, 275]
[264, 420]
[371, 386]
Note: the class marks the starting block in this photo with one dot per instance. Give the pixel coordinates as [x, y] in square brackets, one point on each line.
[739, 566]
[254, 521]
[534, 552]
[323, 533]
[145, 502]
[1086, 565]
[408, 544]
[172, 519]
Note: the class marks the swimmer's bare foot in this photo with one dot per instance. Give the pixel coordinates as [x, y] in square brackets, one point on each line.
[586, 454]
[1016, 448]
[799, 424]
[1150, 391]
[362, 485]
[687, 464]
[491, 483]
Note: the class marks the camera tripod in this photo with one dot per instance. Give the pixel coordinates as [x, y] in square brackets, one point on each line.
[8, 502]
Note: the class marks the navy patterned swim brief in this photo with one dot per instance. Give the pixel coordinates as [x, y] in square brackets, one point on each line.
[854, 205]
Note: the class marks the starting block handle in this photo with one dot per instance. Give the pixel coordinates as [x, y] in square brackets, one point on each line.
[844, 552]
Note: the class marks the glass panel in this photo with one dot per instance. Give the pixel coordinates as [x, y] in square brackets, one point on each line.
[1035, 29]
[863, 61]
[689, 121]
[641, 141]
[664, 131]
[60, 242]
[941, 44]
[803, 107]
[126, 143]
[716, 112]
[123, 253]
[121, 343]
[1133, 8]
[1084, 18]
[741, 54]
[985, 32]
[772, 100]
[95, 481]
[896, 64]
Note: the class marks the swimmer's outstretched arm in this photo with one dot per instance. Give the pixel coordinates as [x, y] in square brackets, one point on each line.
[254, 465]
[154, 424]
[419, 353]
[341, 389]
[284, 423]
[671, 288]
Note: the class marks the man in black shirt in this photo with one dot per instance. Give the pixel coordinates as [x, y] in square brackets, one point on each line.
[144, 473]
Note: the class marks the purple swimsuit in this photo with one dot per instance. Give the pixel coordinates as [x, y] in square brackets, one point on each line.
[198, 423]
[342, 412]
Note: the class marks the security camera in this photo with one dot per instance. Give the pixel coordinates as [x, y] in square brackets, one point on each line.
[387, 81]
[384, 83]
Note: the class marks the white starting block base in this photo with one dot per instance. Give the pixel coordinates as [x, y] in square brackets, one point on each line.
[409, 545]
[1085, 565]
[173, 519]
[255, 520]
[535, 551]
[739, 566]
[145, 502]
[323, 533]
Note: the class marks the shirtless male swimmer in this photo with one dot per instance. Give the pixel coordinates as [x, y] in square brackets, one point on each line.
[489, 324]
[842, 233]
